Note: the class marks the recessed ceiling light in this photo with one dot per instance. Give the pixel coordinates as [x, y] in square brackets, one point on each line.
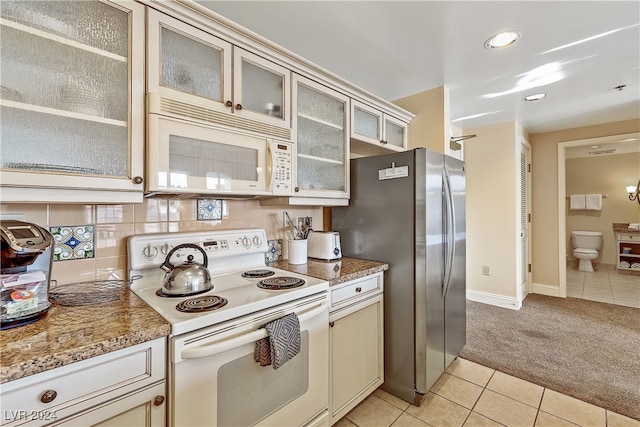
[536, 97]
[595, 146]
[503, 39]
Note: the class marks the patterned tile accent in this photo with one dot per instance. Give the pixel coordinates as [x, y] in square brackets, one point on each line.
[73, 242]
[209, 209]
[275, 250]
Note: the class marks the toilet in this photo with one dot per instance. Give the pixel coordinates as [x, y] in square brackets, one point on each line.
[586, 245]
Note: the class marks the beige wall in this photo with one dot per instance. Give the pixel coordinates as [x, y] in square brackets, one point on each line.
[427, 129]
[544, 153]
[114, 223]
[492, 167]
[606, 174]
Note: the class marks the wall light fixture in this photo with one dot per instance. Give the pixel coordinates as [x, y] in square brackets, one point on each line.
[634, 192]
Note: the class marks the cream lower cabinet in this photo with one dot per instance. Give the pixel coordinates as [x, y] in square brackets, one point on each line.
[121, 388]
[356, 343]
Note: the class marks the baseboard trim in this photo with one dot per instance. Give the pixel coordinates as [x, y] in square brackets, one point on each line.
[549, 290]
[494, 299]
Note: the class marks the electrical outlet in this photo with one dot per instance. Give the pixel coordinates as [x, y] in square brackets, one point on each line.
[305, 222]
[485, 270]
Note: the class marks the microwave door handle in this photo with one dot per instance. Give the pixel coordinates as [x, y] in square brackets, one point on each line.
[270, 177]
[207, 350]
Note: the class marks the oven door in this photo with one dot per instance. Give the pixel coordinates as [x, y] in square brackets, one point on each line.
[216, 382]
[189, 157]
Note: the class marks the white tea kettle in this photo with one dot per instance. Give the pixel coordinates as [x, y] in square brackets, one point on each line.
[188, 278]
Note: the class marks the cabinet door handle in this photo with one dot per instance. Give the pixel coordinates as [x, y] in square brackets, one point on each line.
[48, 396]
[228, 104]
[358, 289]
[137, 180]
[297, 189]
[238, 107]
[159, 400]
[331, 324]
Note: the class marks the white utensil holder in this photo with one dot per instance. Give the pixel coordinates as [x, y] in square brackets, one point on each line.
[297, 251]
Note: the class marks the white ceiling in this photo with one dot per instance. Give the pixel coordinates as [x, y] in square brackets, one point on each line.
[398, 48]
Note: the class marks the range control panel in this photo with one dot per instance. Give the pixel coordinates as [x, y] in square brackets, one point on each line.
[150, 250]
[282, 154]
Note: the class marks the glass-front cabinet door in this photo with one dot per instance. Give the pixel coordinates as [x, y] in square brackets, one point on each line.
[72, 100]
[261, 88]
[395, 133]
[187, 64]
[321, 122]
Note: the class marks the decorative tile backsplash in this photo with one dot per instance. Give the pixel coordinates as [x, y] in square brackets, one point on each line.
[275, 250]
[73, 242]
[209, 209]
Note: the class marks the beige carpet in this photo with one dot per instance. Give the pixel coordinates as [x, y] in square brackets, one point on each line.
[585, 349]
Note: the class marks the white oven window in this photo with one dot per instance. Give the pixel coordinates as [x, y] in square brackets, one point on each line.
[248, 392]
[219, 163]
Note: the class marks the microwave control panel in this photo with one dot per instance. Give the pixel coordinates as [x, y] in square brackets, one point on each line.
[282, 155]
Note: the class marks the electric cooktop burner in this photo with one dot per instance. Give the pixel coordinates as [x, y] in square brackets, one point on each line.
[163, 295]
[258, 273]
[278, 283]
[201, 304]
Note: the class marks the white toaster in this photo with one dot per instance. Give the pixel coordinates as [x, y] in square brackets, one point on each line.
[324, 245]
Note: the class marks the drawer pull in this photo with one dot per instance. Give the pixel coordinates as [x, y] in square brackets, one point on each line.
[159, 400]
[358, 289]
[48, 396]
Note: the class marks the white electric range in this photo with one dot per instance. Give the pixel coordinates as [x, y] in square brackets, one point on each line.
[213, 378]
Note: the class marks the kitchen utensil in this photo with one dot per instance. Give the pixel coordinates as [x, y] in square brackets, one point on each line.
[188, 278]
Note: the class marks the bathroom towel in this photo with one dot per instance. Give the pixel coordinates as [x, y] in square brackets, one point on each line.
[577, 202]
[282, 344]
[593, 202]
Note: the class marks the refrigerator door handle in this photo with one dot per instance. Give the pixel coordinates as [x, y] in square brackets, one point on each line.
[450, 232]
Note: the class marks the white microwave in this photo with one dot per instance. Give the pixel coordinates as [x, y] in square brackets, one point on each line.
[190, 157]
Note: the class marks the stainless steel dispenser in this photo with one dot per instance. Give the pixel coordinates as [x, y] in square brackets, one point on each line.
[27, 256]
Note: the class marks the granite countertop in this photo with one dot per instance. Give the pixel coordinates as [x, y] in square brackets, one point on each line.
[335, 272]
[71, 334]
[624, 228]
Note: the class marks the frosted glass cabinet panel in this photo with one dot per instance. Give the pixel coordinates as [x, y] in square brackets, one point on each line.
[71, 97]
[186, 63]
[321, 124]
[375, 127]
[261, 89]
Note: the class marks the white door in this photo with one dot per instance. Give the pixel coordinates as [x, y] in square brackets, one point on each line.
[525, 218]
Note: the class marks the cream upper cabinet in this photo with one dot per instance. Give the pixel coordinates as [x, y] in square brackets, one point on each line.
[372, 126]
[197, 75]
[321, 123]
[72, 101]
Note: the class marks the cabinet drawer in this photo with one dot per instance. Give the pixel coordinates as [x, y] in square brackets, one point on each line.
[52, 395]
[629, 237]
[359, 288]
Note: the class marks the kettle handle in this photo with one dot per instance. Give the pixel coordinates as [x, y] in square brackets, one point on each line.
[166, 265]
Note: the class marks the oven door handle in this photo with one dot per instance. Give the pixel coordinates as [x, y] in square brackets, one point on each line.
[207, 350]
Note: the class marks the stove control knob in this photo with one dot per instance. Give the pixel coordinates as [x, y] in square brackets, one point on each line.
[164, 249]
[257, 241]
[245, 242]
[150, 251]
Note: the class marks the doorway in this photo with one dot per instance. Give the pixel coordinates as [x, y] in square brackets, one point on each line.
[602, 284]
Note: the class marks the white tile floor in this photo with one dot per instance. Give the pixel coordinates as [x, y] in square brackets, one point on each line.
[468, 394]
[604, 285]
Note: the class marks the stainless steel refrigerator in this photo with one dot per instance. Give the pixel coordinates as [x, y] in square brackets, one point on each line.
[407, 209]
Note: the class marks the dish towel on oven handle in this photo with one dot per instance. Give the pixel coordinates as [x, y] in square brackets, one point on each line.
[282, 344]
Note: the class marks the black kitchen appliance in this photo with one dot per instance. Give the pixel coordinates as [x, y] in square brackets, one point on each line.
[27, 256]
